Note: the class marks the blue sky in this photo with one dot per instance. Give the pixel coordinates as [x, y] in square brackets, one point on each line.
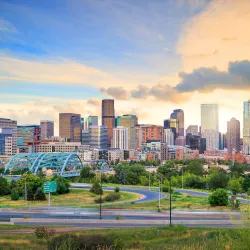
[71, 49]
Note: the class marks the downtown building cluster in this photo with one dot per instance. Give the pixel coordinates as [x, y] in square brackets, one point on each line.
[124, 138]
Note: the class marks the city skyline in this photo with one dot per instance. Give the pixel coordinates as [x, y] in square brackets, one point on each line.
[154, 58]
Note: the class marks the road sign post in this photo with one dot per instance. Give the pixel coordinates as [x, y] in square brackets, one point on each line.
[49, 187]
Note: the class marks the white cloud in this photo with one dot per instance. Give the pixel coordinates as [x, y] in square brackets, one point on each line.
[216, 36]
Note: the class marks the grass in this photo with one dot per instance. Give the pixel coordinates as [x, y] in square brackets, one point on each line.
[75, 198]
[179, 201]
[150, 238]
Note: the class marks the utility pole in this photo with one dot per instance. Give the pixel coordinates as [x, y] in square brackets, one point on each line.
[170, 204]
[149, 180]
[25, 187]
[101, 199]
[159, 205]
[182, 176]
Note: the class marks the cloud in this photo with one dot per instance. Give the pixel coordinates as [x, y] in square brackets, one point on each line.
[209, 79]
[55, 70]
[216, 35]
[118, 93]
[6, 26]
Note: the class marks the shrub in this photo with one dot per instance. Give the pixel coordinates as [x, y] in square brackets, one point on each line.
[117, 189]
[98, 200]
[166, 189]
[96, 188]
[4, 186]
[112, 197]
[62, 185]
[248, 191]
[218, 198]
[39, 195]
[44, 233]
[71, 241]
[14, 194]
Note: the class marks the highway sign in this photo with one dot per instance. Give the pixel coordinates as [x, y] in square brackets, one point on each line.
[49, 187]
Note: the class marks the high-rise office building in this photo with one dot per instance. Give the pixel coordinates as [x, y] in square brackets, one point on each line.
[172, 124]
[168, 136]
[70, 127]
[47, 129]
[28, 136]
[210, 125]
[90, 121]
[193, 130]
[180, 141]
[120, 138]
[98, 137]
[246, 128]
[139, 136]
[152, 132]
[178, 114]
[5, 125]
[222, 141]
[85, 137]
[6, 141]
[108, 118]
[129, 122]
[233, 136]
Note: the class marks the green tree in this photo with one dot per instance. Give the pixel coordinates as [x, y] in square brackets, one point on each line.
[235, 186]
[4, 186]
[143, 180]
[237, 169]
[96, 188]
[62, 185]
[14, 194]
[86, 173]
[194, 167]
[218, 198]
[218, 179]
[168, 169]
[246, 183]
[39, 195]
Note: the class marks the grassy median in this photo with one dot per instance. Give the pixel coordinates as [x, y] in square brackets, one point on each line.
[75, 198]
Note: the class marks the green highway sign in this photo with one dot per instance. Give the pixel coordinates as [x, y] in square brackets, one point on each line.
[49, 187]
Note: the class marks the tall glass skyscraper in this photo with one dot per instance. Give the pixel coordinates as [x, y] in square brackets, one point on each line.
[47, 129]
[108, 118]
[210, 125]
[98, 137]
[70, 127]
[246, 128]
[178, 114]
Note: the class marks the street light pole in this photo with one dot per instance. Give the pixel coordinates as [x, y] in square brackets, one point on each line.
[170, 204]
[25, 191]
[182, 176]
[149, 180]
[101, 199]
[159, 204]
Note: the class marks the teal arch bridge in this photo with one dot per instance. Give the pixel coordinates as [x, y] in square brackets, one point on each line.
[64, 164]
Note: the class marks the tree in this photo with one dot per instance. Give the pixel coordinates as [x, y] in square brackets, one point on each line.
[194, 167]
[237, 169]
[143, 180]
[14, 194]
[218, 179]
[117, 189]
[218, 198]
[39, 195]
[4, 186]
[86, 173]
[62, 185]
[96, 188]
[168, 169]
[234, 186]
[246, 183]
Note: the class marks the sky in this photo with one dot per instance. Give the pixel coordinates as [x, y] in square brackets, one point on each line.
[150, 56]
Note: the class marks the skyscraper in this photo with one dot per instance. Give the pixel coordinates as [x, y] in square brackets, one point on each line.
[173, 125]
[120, 138]
[233, 136]
[178, 114]
[8, 129]
[47, 129]
[129, 122]
[70, 127]
[139, 136]
[246, 128]
[98, 137]
[90, 121]
[108, 118]
[210, 125]
[193, 130]
[168, 136]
